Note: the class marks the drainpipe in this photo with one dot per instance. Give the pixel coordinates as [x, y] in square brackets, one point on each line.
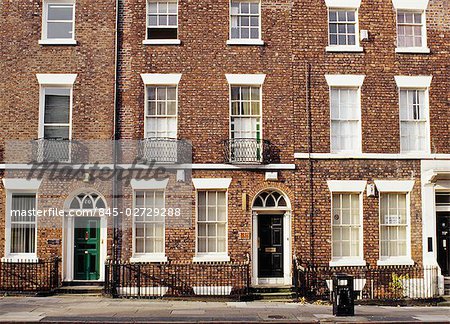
[310, 163]
[115, 137]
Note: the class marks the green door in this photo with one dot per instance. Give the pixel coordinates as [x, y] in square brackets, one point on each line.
[87, 249]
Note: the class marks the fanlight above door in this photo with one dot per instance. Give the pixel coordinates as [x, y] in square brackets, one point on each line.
[87, 201]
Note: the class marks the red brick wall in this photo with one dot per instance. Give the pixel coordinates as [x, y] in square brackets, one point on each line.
[295, 33]
[379, 63]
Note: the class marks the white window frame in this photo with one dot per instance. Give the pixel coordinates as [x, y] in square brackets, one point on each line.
[56, 41]
[348, 187]
[148, 185]
[211, 184]
[166, 116]
[147, 41]
[346, 81]
[416, 83]
[19, 186]
[246, 116]
[154, 256]
[398, 187]
[416, 6]
[245, 41]
[157, 79]
[42, 124]
[344, 5]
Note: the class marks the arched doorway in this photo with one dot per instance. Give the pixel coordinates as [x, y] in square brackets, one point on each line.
[271, 213]
[84, 236]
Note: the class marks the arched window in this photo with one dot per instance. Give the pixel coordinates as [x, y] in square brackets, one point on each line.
[270, 199]
[87, 201]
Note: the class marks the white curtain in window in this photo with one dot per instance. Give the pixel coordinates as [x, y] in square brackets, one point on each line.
[23, 224]
[393, 225]
[346, 226]
[211, 222]
[149, 222]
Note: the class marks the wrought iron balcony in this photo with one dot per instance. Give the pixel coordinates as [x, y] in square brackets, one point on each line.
[247, 151]
[56, 150]
[164, 150]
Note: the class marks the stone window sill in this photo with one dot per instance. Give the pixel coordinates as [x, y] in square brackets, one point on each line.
[161, 42]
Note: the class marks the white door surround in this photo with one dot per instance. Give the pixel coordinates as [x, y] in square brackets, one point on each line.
[68, 237]
[261, 211]
[435, 177]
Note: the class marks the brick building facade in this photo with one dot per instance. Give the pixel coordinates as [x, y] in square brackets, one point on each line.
[319, 130]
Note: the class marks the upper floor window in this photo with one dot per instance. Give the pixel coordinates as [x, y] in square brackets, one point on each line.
[245, 26]
[409, 29]
[411, 26]
[343, 26]
[162, 22]
[161, 112]
[413, 120]
[56, 114]
[58, 23]
[414, 113]
[345, 120]
[345, 112]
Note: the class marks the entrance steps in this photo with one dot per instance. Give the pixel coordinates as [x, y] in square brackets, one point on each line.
[274, 294]
[84, 288]
[447, 286]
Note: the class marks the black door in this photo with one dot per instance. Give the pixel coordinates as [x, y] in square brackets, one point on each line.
[443, 239]
[270, 246]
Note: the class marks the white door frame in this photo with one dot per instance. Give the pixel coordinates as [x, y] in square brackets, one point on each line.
[287, 248]
[68, 246]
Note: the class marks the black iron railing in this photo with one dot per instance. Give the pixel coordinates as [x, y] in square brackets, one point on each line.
[164, 150]
[247, 151]
[176, 279]
[371, 283]
[56, 150]
[29, 276]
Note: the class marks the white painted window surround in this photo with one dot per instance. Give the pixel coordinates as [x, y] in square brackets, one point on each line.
[344, 80]
[211, 184]
[245, 79]
[419, 7]
[151, 184]
[405, 187]
[56, 79]
[345, 5]
[421, 81]
[58, 22]
[346, 185]
[394, 185]
[160, 79]
[342, 189]
[18, 186]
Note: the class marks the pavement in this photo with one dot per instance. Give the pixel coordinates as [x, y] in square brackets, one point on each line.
[83, 309]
